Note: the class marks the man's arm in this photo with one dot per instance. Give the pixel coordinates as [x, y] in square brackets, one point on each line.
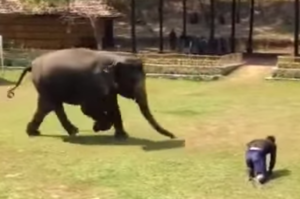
[273, 159]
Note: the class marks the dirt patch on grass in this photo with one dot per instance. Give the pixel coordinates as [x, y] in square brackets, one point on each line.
[249, 74]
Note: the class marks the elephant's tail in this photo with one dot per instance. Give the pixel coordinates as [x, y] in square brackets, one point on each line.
[10, 92]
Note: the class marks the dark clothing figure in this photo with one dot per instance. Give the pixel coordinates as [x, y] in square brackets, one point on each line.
[173, 40]
[202, 46]
[224, 45]
[256, 153]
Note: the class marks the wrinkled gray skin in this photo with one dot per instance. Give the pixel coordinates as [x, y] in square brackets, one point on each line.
[92, 80]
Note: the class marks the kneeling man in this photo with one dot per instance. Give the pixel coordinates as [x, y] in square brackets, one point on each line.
[256, 153]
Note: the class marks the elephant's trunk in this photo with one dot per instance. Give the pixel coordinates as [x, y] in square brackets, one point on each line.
[141, 99]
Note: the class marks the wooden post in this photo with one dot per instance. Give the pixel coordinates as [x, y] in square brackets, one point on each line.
[233, 22]
[296, 29]
[184, 17]
[250, 36]
[161, 21]
[133, 30]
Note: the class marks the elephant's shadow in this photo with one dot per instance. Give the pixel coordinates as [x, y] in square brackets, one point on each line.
[147, 145]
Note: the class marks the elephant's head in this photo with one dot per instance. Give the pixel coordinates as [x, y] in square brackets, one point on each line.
[130, 82]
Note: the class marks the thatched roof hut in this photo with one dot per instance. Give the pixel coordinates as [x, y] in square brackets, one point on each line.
[38, 18]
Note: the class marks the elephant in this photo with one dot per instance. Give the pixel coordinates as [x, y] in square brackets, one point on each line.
[102, 118]
[91, 79]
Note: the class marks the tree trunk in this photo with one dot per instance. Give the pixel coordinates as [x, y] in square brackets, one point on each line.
[133, 30]
[238, 11]
[161, 21]
[250, 36]
[296, 31]
[233, 18]
[184, 17]
[212, 22]
[97, 33]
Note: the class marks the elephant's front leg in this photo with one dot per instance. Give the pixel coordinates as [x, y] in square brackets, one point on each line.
[120, 133]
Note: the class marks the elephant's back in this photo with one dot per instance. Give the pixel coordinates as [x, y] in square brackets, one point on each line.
[68, 59]
[63, 75]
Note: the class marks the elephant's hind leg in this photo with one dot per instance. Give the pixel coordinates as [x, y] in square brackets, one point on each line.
[65, 122]
[43, 109]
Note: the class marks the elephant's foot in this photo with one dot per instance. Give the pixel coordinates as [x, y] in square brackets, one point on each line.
[31, 130]
[121, 135]
[101, 126]
[72, 130]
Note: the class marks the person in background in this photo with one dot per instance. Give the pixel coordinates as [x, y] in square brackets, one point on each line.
[172, 40]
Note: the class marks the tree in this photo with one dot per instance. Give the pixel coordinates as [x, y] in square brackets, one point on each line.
[161, 21]
[133, 29]
[212, 22]
[238, 11]
[233, 21]
[184, 17]
[296, 31]
[251, 21]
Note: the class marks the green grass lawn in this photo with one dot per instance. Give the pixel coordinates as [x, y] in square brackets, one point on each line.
[213, 121]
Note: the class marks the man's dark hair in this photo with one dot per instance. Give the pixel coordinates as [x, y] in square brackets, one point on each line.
[271, 138]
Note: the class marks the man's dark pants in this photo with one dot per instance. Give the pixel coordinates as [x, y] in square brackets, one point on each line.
[256, 163]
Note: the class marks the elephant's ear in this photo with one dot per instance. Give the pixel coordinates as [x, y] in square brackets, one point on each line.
[102, 67]
[109, 68]
[105, 75]
[112, 70]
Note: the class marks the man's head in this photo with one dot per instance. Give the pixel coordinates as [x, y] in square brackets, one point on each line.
[271, 138]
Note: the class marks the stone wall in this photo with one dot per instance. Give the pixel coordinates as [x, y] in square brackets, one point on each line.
[45, 32]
